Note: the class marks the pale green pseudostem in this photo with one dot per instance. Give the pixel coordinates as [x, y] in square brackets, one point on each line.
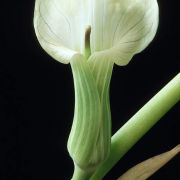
[90, 136]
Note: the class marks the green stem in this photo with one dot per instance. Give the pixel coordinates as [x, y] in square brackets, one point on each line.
[80, 174]
[139, 124]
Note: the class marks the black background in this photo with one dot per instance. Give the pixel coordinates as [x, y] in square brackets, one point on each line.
[37, 99]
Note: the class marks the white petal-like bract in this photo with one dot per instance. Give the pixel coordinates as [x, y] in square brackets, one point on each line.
[119, 28]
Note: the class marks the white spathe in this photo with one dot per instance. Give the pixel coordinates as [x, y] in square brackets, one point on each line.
[119, 28]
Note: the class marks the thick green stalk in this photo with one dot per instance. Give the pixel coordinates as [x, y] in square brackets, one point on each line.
[79, 174]
[139, 124]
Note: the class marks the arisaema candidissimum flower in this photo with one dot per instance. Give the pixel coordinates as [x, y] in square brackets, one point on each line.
[92, 35]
